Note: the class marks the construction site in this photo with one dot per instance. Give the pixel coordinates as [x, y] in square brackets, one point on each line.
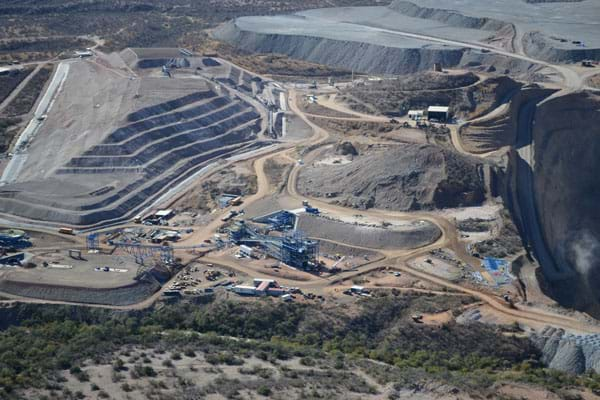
[164, 174]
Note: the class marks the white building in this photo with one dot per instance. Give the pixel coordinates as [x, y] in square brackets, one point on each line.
[416, 115]
[438, 113]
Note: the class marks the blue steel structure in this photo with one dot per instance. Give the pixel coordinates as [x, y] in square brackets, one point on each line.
[93, 241]
[14, 239]
[280, 221]
[142, 251]
[293, 249]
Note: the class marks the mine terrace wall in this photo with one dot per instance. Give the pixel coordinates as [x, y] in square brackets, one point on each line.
[366, 57]
[567, 144]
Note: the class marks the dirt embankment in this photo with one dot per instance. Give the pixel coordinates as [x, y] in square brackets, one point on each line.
[499, 128]
[567, 144]
[411, 236]
[364, 56]
[466, 97]
[118, 296]
[403, 177]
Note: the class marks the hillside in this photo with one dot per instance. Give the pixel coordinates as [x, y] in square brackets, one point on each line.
[249, 350]
[403, 177]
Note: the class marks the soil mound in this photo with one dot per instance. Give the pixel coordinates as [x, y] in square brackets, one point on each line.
[404, 177]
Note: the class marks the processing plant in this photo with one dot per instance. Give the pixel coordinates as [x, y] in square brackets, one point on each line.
[293, 249]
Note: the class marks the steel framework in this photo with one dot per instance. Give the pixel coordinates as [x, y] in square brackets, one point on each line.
[293, 249]
[93, 241]
[140, 252]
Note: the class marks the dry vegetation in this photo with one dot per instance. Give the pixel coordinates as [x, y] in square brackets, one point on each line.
[28, 96]
[466, 97]
[28, 50]
[11, 117]
[264, 348]
[276, 65]
[9, 82]
[8, 130]
[357, 127]
[277, 170]
[137, 23]
[506, 241]
[204, 196]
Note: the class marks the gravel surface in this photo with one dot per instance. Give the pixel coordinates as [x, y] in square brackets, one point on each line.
[120, 296]
[406, 237]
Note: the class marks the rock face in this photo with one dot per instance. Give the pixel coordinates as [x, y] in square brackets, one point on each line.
[574, 354]
[346, 149]
[566, 134]
[403, 177]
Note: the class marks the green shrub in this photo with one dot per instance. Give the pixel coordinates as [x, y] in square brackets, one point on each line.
[264, 390]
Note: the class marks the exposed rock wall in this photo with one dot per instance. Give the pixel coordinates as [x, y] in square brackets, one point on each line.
[566, 134]
[574, 354]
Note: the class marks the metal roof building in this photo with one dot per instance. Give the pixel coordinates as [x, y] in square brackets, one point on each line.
[440, 113]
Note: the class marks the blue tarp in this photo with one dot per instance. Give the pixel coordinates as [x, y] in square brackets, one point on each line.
[494, 264]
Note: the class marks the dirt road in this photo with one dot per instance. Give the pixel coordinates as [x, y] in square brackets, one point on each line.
[328, 101]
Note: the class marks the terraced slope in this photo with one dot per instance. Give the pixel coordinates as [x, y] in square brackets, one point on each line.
[160, 146]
